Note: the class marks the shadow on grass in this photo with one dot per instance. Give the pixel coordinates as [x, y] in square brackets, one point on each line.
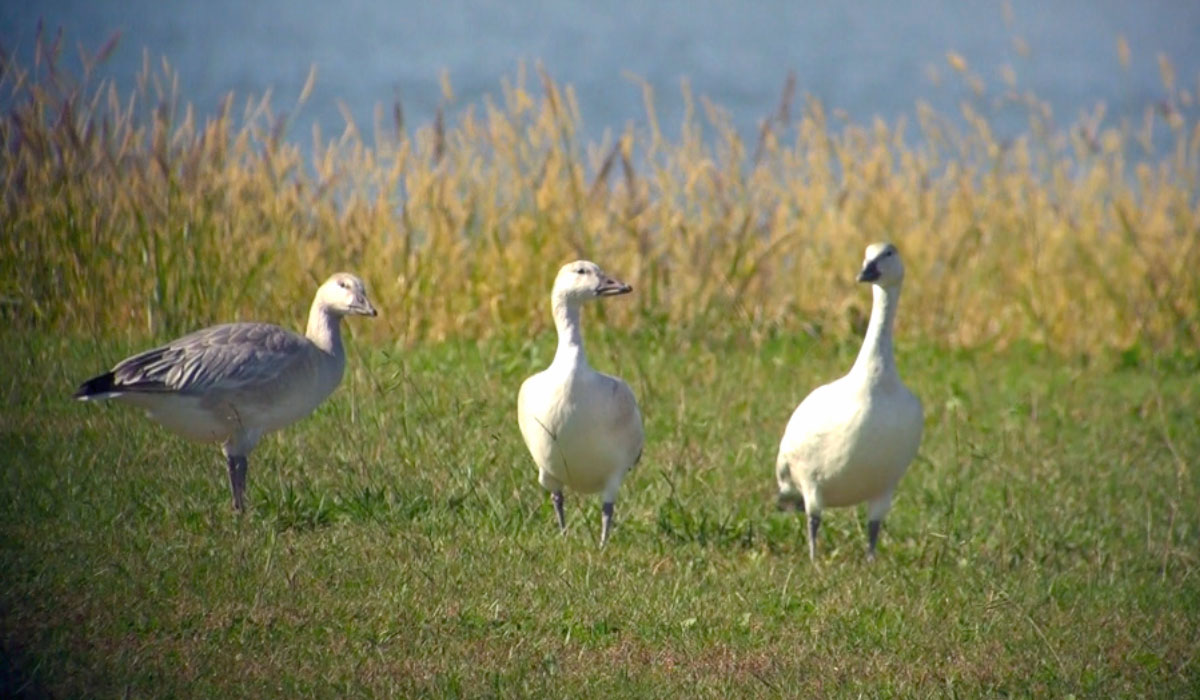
[307, 509]
[733, 529]
[16, 678]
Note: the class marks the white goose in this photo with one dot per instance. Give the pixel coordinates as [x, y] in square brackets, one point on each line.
[582, 427]
[851, 440]
[236, 382]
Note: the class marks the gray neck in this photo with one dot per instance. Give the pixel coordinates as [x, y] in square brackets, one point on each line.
[570, 335]
[325, 330]
[875, 360]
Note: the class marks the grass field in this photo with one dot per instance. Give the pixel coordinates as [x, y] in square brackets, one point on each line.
[1043, 543]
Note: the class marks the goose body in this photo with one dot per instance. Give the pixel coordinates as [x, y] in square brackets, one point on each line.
[582, 427]
[850, 441]
[236, 382]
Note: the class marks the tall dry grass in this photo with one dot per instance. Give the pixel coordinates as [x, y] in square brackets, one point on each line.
[130, 213]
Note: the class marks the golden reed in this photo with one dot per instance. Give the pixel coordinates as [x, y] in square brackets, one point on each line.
[128, 213]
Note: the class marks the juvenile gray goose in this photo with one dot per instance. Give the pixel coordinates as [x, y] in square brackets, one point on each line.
[851, 440]
[236, 382]
[582, 427]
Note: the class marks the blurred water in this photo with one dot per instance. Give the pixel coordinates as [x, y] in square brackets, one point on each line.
[864, 58]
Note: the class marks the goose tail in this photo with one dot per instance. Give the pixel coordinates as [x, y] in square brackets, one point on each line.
[789, 495]
[97, 388]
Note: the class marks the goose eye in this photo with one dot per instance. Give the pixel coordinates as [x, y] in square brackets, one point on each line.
[343, 284]
[580, 271]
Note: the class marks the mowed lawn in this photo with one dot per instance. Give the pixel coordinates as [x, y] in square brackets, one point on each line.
[1045, 542]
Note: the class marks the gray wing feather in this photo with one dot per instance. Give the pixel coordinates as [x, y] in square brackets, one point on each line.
[221, 358]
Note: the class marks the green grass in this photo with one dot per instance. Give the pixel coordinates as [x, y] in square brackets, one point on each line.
[1044, 543]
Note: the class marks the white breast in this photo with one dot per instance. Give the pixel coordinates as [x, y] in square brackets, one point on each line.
[582, 427]
[847, 443]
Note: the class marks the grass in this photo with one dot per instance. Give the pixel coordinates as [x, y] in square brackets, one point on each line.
[1044, 542]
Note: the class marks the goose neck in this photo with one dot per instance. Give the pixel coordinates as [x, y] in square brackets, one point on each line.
[325, 330]
[876, 360]
[570, 335]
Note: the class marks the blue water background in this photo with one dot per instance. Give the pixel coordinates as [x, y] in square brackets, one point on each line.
[865, 58]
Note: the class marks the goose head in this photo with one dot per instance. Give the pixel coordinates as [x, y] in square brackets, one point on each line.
[344, 294]
[881, 265]
[582, 280]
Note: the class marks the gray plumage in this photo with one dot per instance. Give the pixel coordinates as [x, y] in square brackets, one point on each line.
[236, 382]
[222, 358]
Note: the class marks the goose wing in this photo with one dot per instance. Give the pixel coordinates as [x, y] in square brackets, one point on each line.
[626, 420]
[229, 357]
[820, 419]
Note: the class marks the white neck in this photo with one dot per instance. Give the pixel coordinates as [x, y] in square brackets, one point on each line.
[875, 360]
[325, 329]
[570, 334]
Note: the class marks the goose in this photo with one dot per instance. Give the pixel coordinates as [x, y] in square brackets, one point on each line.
[851, 440]
[582, 427]
[236, 382]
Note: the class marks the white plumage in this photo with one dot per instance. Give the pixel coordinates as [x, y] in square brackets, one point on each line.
[236, 382]
[582, 427]
[851, 440]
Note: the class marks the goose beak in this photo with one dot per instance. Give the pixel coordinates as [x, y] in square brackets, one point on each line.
[612, 287]
[362, 307]
[869, 273]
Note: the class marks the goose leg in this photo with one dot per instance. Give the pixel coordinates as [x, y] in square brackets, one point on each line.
[872, 537]
[606, 521]
[814, 523]
[876, 510]
[237, 480]
[557, 498]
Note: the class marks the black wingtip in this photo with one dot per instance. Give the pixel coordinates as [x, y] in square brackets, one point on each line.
[95, 387]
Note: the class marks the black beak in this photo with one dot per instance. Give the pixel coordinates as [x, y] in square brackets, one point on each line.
[869, 273]
[610, 287]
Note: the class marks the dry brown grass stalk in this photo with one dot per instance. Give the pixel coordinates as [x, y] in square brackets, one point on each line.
[132, 214]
